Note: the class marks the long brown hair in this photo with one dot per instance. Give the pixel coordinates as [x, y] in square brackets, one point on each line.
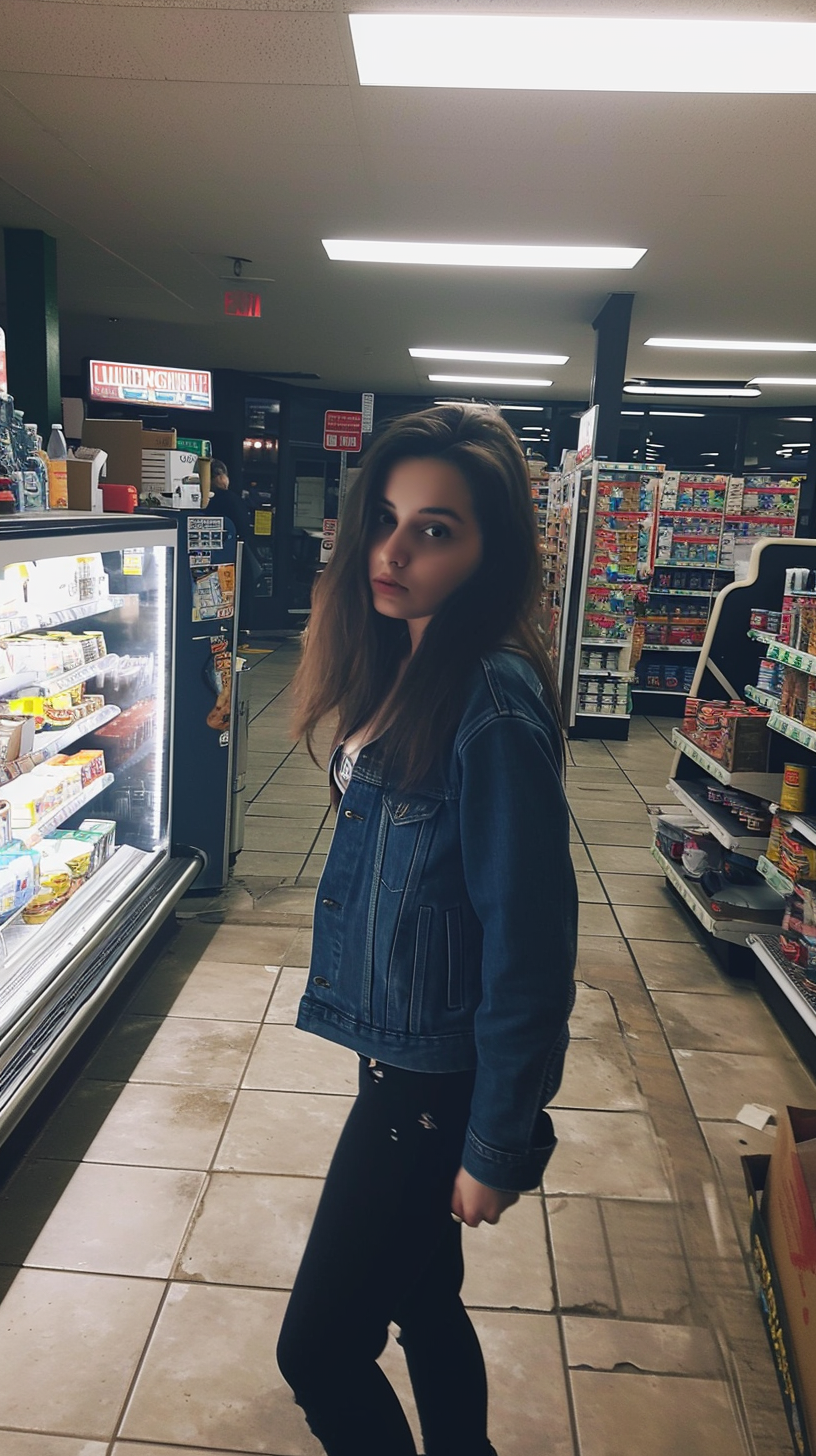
[352, 653]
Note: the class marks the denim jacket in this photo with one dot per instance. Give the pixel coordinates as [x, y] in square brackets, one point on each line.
[446, 922]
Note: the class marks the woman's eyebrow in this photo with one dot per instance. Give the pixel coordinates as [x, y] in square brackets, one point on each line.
[427, 510]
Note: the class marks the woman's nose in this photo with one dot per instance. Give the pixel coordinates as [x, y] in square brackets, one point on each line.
[395, 550]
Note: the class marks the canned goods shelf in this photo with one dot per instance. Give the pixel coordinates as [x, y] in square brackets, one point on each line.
[767, 637]
[796, 732]
[764, 785]
[774, 877]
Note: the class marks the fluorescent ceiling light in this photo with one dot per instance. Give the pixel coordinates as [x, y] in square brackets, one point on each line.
[770, 379]
[486, 379]
[800, 445]
[527, 408]
[482, 255]
[653, 445]
[798, 419]
[720, 391]
[752, 346]
[585, 53]
[677, 414]
[633, 412]
[483, 356]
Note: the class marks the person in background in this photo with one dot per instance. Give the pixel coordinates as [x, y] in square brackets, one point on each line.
[228, 503]
[445, 925]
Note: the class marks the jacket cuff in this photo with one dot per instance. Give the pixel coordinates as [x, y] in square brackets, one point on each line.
[505, 1172]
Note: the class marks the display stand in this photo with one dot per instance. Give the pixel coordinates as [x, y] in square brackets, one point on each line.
[727, 667]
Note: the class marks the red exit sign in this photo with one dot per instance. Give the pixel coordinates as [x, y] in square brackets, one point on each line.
[240, 303]
[343, 430]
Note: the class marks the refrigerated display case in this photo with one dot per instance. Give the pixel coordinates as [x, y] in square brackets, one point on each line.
[87, 874]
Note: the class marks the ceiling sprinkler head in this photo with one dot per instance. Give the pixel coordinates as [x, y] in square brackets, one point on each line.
[238, 264]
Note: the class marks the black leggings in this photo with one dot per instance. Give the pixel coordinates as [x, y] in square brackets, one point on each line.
[384, 1247]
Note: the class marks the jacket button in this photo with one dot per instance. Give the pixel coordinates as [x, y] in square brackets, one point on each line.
[321, 981]
[330, 904]
[349, 814]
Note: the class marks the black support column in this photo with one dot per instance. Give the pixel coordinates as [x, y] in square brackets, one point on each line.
[32, 329]
[611, 345]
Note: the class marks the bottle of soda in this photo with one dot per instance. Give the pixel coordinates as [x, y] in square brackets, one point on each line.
[57, 470]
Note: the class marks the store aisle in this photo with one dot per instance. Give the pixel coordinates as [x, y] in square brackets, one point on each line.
[151, 1236]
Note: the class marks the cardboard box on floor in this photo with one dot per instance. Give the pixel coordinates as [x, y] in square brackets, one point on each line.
[790, 1218]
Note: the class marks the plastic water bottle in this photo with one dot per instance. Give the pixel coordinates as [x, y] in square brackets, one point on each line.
[57, 470]
[35, 490]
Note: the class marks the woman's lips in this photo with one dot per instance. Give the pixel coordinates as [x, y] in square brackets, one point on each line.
[384, 584]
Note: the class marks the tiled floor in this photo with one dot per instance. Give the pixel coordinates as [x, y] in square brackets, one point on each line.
[151, 1236]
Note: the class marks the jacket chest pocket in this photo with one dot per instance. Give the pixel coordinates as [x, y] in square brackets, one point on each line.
[408, 826]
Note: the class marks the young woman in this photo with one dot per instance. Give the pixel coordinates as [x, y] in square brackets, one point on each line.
[445, 923]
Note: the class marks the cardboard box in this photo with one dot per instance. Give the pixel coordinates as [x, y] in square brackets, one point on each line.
[771, 1301]
[158, 439]
[122, 442]
[84, 492]
[789, 1217]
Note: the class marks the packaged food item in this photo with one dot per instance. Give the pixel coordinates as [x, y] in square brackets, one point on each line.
[794, 788]
[16, 736]
[797, 858]
[54, 889]
[103, 832]
[91, 763]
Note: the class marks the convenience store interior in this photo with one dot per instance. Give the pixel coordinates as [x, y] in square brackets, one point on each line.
[155, 1202]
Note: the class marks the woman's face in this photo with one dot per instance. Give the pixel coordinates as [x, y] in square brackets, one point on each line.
[426, 541]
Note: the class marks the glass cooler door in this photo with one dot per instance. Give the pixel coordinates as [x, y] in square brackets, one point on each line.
[86, 678]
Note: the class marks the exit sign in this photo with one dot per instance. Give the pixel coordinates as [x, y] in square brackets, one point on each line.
[239, 303]
[343, 430]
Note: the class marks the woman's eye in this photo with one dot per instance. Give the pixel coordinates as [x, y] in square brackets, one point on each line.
[384, 518]
[437, 532]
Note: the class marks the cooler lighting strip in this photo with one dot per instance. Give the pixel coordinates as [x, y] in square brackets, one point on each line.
[481, 255]
[585, 53]
[488, 379]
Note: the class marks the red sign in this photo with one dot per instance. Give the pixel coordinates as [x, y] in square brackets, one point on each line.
[343, 430]
[148, 385]
[239, 303]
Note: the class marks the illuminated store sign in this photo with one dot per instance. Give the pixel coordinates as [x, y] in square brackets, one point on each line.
[148, 385]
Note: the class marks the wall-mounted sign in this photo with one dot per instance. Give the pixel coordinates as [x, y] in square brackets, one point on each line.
[146, 384]
[240, 303]
[343, 430]
[368, 413]
[587, 428]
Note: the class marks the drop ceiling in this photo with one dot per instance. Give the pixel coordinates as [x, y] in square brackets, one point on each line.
[155, 140]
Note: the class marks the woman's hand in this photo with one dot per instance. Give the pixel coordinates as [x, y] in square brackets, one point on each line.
[475, 1203]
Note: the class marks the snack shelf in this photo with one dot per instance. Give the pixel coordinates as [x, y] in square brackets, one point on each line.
[787, 976]
[723, 826]
[677, 591]
[605, 642]
[768, 637]
[694, 896]
[669, 647]
[662, 692]
[31, 836]
[696, 566]
[792, 657]
[604, 672]
[11, 626]
[774, 877]
[761, 698]
[618, 717]
[800, 823]
[690, 511]
[764, 785]
[796, 732]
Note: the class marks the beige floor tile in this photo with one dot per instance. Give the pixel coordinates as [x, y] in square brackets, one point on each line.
[252, 945]
[215, 990]
[720, 1083]
[619, 1414]
[290, 1133]
[598, 810]
[598, 954]
[589, 753]
[148, 1124]
[599, 1075]
[651, 924]
[623, 860]
[290, 986]
[507, 1265]
[657, 1349]
[596, 920]
[607, 1154]
[29, 1443]
[647, 1256]
[617, 790]
[145, 1049]
[645, 890]
[587, 778]
[583, 1272]
[250, 1229]
[590, 889]
[300, 950]
[676, 966]
[69, 1347]
[288, 1060]
[188, 1394]
[278, 836]
[655, 793]
[297, 794]
[593, 1015]
[581, 862]
[307, 816]
[740, 1022]
[109, 1219]
[633, 833]
[268, 864]
[526, 1387]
